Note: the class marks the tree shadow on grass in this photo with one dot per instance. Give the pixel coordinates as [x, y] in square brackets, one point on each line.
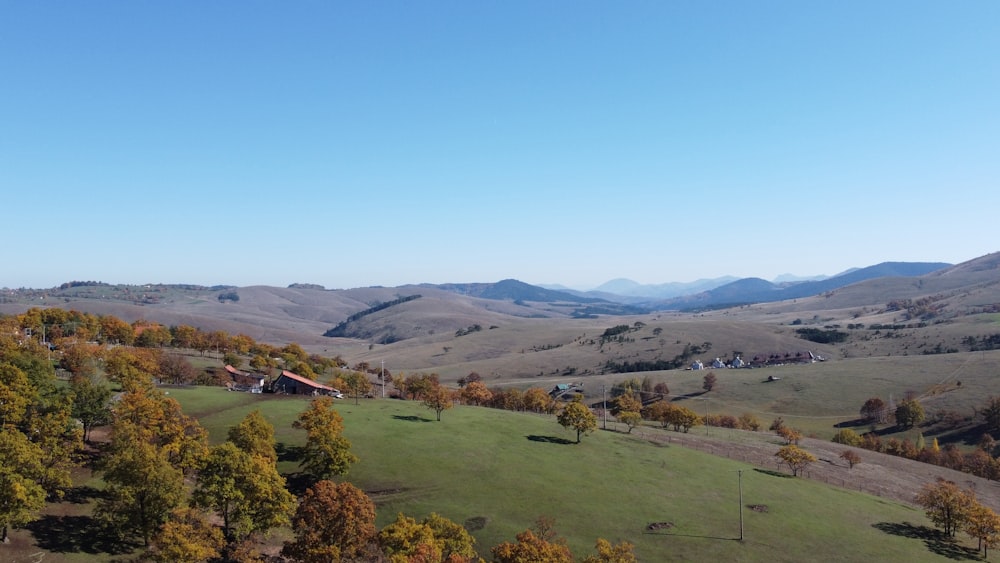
[288, 453]
[412, 418]
[773, 473]
[78, 534]
[82, 494]
[297, 483]
[935, 540]
[549, 439]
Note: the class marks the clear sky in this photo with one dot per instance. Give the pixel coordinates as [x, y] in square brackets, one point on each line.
[367, 143]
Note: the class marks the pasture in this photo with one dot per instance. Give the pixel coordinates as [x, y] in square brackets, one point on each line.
[506, 469]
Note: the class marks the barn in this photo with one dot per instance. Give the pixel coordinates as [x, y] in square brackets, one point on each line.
[294, 384]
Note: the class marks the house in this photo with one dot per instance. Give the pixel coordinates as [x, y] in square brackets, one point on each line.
[697, 365]
[243, 381]
[566, 391]
[718, 364]
[294, 384]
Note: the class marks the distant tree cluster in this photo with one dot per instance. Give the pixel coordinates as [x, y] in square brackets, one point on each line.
[341, 329]
[822, 336]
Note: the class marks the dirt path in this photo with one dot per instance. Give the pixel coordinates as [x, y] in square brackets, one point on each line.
[878, 474]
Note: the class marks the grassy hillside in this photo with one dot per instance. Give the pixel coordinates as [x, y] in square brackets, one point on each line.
[507, 469]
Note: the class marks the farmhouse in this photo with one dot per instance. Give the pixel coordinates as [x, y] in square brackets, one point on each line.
[294, 384]
[566, 391]
[243, 381]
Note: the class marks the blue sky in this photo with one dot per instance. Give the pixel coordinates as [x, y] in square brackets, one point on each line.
[384, 143]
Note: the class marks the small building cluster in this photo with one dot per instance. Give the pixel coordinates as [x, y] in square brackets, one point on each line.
[287, 383]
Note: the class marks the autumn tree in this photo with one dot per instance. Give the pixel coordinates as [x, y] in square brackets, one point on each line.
[333, 522]
[438, 398]
[435, 538]
[945, 504]
[874, 410]
[851, 457]
[176, 369]
[789, 434]
[476, 393]
[186, 537]
[246, 490]
[628, 410]
[983, 524]
[576, 416]
[327, 453]
[623, 552]
[538, 400]
[796, 458]
[540, 545]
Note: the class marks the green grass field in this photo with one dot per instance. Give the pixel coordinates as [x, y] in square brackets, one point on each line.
[509, 468]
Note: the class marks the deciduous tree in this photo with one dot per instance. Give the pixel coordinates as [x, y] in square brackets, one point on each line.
[143, 487]
[327, 453]
[255, 435]
[356, 384]
[476, 393]
[945, 504]
[21, 497]
[796, 458]
[186, 537]
[246, 490]
[438, 398]
[623, 552]
[874, 410]
[909, 413]
[709, 382]
[576, 416]
[333, 522]
[851, 457]
[537, 546]
[984, 525]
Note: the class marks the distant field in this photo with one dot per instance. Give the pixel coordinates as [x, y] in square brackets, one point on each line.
[510, 468]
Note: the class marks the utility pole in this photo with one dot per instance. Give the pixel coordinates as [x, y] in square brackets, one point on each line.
[383, 379]
[739, 472]
[604, 405]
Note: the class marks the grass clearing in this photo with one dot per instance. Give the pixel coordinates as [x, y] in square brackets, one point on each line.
[507, 469]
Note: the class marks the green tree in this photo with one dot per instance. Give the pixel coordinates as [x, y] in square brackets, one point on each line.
[909, 413]
[246, 490]
[91, 403]
[990, 414]
[847, 437]
[327, 453]
[333, 522]
[21, 497]
[357, 384]
[143, 487]
[255, 435]
[576, 416]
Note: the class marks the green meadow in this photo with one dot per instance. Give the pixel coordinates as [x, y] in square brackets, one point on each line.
[498, 471]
